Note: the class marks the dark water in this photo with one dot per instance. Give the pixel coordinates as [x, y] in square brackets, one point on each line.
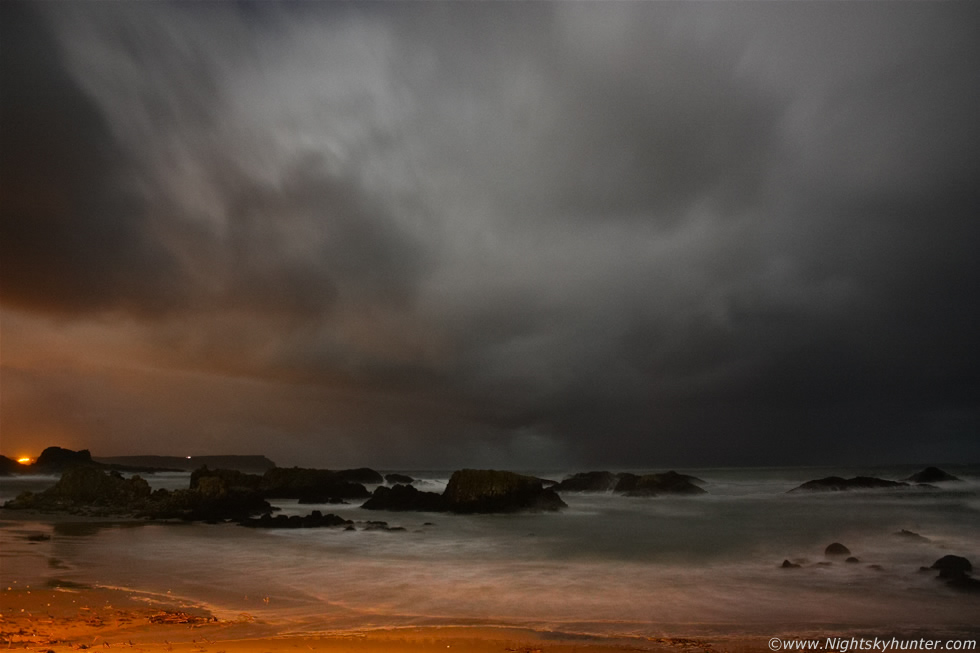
[608, 565]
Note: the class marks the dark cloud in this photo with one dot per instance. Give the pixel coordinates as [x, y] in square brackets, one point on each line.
[508, 233]
[73, 235]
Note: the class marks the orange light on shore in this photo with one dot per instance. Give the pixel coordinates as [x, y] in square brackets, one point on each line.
[25, 460]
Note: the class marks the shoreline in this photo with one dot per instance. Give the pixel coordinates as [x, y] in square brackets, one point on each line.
[72, 619]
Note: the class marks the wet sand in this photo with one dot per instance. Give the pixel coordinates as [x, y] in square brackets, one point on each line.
[77, 618]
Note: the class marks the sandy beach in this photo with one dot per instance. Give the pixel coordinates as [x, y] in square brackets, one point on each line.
[71, 619]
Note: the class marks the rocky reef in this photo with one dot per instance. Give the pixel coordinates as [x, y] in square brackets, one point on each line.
[88, 490]
[838, 484]
[488, 490]
[401, 498]
[394, 479]
[472, 491]
[931, 475]
[650, 485]
[632, 484]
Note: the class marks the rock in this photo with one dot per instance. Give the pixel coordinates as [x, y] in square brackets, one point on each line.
[362, 475]
[588, 482]
[319, 498]
[655, 484]
[315, 519]
[88, 485]
[838, 484]
[57, 459]
[964, 583]
[487, 491]
[231, 478]
[789, 565]
[380, 526]
[876, 567]
[405, 497]
[38, 537]
[9, 466]
[852, 560]
[836, 549]
[212, 501]
[394, 479]
[910, 535]
[950, 566]
[931, 475]
[87, 489]
[300, 483]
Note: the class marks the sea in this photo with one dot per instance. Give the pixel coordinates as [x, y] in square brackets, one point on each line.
[608, 565]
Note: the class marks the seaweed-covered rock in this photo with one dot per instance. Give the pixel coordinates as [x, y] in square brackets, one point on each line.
[655, 484]
[931, 475]
[487, 490]
[838, 484]
[395, 479]
[405, 497]
[588, 482]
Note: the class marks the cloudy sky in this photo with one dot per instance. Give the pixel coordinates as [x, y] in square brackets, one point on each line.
[492, 234]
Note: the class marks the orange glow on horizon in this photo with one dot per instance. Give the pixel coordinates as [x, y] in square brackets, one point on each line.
[25, 460]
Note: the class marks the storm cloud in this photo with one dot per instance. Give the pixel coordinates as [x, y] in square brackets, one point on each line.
[522, 234]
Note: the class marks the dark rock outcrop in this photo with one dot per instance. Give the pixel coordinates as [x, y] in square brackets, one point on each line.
[656, 484]
[323, 485]
[911, 536]
[56, 460]
[9, 466]
[405, 497]
[380, 526]
[211, 501]
[395, 479]
[487, 490]
[956, 570]
[315, 519]
[789, 565]
[634, 484]
[836, 549]
[588, 482]
[86, 486]
[838, 484]
[950, 566]
[362, 475]
[232, 478]
[86, 489]
[931, 475]
[852, 560]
